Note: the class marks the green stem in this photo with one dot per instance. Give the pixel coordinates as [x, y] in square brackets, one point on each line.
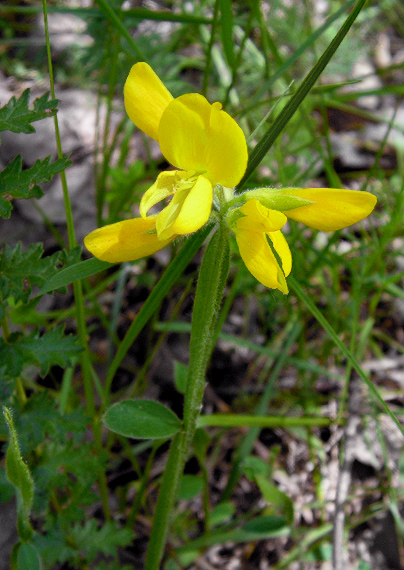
[78, 291]
[211, 283]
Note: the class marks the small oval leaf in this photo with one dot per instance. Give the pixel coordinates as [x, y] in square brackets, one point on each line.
[190, 487]
[142, 419]
[28, 558]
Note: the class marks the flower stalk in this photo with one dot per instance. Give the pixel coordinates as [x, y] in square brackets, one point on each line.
[209, 292]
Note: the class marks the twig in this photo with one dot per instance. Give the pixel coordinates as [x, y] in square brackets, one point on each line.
[345, 474]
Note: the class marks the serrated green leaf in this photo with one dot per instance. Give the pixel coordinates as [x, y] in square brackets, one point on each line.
[16, 116]
[94, 540]
[41, 417]
[81, 542]
[53, 347]
[20, 271]
[142, 419]
[18, 474]
[18, 183]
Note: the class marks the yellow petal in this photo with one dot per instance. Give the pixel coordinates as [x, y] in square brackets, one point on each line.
[282, 249]
[145, 98]
[195, 135]
[195, 210]
[258, 218]
[163, 187]
[333, 209]
[188, 211]
[260, 260]
[125, 241]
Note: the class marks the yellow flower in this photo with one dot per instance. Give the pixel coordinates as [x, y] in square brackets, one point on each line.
[200, 139]
[322, 209]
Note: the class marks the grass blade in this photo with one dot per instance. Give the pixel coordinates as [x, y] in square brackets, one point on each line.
[290, 108]
[226, 14]
[345, 351]
[113, 17]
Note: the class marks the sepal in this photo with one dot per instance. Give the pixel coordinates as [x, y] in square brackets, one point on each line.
[275, 199]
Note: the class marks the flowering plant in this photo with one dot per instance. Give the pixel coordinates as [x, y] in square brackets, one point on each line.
[210, 151]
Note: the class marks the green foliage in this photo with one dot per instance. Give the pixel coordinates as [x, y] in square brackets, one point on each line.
[83, 544]
[46, 350]
[142, 419]
[27, 558]
[21, 270]
[41, 418]
[18, 183]
[16, 115]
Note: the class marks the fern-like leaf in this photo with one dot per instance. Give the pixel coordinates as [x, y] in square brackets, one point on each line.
[16, 115]
[18, 183]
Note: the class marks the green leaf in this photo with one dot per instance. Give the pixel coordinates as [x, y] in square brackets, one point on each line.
[275, 497]
[53, 347]
[291, 107]
[94, 540]
[28, 558]
[257, 529]
[18, 183]
[16, 116]
[81, 544]
[190, 487]
[74, 273]
[142, 419]
[226, 13]
[222, 513]
[20, 271]
[18, 474]
[180, 376]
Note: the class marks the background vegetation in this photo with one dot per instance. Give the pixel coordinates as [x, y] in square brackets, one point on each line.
[295, 457]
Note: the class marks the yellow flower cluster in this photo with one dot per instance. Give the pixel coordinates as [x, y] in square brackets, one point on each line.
[209, 149]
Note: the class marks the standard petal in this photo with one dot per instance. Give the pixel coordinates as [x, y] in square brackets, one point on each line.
[195, 135]
[188, 211]
[125, 241]
[258, 218]
[145, 98]
[162, 188]
[260, 260]
[332, 209]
